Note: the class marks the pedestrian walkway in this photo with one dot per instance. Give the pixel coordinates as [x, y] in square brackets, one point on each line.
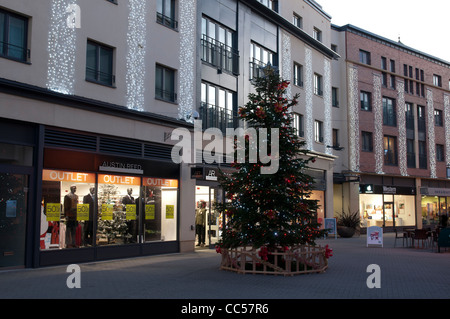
[406, 273]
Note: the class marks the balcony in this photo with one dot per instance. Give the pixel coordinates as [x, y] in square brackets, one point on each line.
[166, 21]
[14, 52]
[222, 56]
[214, 116]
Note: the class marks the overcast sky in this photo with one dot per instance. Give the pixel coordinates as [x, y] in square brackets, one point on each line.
[422, 25]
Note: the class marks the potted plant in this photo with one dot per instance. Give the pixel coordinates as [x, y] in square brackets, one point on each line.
[347, 224]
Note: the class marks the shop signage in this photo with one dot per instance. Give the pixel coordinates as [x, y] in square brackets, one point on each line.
[160, 182]
[367, 189]
[435, 191]
[61, 176]
[107, 211]
[205, 173]
[197, 172]
[53, 212]
[149, 212]
[82, 212]
[131, 212]
[119, 167]
[170, 211]
[389, 190]
[374, 236]
[117, 179]
[330, 226]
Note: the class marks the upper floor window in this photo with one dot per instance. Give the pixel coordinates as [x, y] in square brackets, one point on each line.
[165, 84]
[298, 74]
[298, 124]
[217, 107]
[364, 57]
[297, 21]
[437, 80]
[438, 119]
[366, 101]
[390, 150]
[317, 34]
[217, 46]
[389, 117]
[318, 84]
[440, 155]
[318, 131]
[335, 97]
[269, 4]
[99, 63]
[165, 13]
[366, 141]
[259, 57]
[13, 36]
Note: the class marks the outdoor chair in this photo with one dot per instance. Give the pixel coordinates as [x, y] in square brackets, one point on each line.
[400, 235]
[421, 234]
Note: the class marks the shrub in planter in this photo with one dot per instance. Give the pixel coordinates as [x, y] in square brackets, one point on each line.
[347, 223]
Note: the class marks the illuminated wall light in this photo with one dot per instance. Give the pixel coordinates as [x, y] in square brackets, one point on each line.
[309, 119]
[378, 124]
[431, 136]
[136, 40]
[447, 128]
[187, 78]
[61, 49]
[328, 139]
[353, 118]
[401, 119]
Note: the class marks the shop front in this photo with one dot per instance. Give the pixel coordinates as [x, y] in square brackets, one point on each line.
[97, 207]
[387, 206]
[435, 204]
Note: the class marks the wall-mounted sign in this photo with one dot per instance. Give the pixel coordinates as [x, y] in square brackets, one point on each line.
[204, 173]
[160, 182]
[120, 180]
[197, 172]
[62, 176]
[118, 167]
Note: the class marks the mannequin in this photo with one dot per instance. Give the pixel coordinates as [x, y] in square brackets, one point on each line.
[200, 219]
[70, 212]
[132, 229]
[88, 229]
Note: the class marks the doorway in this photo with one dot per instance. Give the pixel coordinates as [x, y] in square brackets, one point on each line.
[13, 219]
[207, 218]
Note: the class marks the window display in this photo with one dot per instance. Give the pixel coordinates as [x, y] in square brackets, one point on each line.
[66, 217]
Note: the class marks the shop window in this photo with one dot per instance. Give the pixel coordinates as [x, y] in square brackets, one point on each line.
[67, 214]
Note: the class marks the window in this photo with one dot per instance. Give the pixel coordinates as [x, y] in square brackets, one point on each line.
[335, 97]
[334, 47]
[13, 36]
[364, 57]
[366, 101]
[384, 79]
[318, 131]
[437, 80]
[298, 74]
[317, 34]
[165, 84]
[410, 153]
[392, 66]
[298, 124]
[335, 138]
[421, 124]
[217, 107]
[409, 116]
[383, 63]
[99, 63]
[165, 13]
[367, 141]
[269, 4]
[438, 120]
[318, 84]
[392, 82]
[297, 21]
[390, 150]
[422, 155]
[389, 117]
[259, 58]
[440, 157]
[217, 46]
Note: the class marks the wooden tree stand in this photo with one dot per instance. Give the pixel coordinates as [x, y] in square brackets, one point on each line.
[293, 261]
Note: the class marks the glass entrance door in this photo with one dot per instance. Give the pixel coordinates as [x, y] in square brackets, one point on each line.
[207, 219]
[13, 219]
[389, 214]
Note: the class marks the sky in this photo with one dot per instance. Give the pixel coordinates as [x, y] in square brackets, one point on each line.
[422, 25]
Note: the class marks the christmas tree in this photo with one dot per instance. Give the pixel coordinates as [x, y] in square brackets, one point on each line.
[273, 210]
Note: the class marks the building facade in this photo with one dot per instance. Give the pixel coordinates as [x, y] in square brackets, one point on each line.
[89, 107]
[397, 101]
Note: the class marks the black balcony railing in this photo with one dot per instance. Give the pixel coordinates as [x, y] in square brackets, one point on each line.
[100, 77]
[165, 95]
[214, 116]
[256, 68]
[167, 21]
[15, 52]
[220, 55]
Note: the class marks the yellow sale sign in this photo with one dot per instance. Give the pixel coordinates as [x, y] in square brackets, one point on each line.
[53, 212]
[107, 211]
[149, 211]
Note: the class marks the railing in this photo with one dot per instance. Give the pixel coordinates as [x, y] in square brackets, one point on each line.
[217, 117]
[14, 51]
[166, 95]
[423, 161]
[256, 68]
[410, 122]
[100, 77]
[411, 159]
[220, 55]
[167, 21]
[421, 125]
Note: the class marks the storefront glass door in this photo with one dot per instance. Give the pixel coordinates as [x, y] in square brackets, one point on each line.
[207, 219]
[389, 214]
[13, 218]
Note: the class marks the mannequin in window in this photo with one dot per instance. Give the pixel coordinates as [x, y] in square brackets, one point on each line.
[200, 219]
[89, 224]
[132, 226]
[70, 213]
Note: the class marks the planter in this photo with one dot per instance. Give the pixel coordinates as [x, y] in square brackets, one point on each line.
[346, 232]
[288, 262]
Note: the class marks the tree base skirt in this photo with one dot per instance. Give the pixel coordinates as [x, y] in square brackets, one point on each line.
[287, 262]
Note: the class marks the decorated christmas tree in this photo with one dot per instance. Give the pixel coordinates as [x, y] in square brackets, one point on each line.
[271, 210]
